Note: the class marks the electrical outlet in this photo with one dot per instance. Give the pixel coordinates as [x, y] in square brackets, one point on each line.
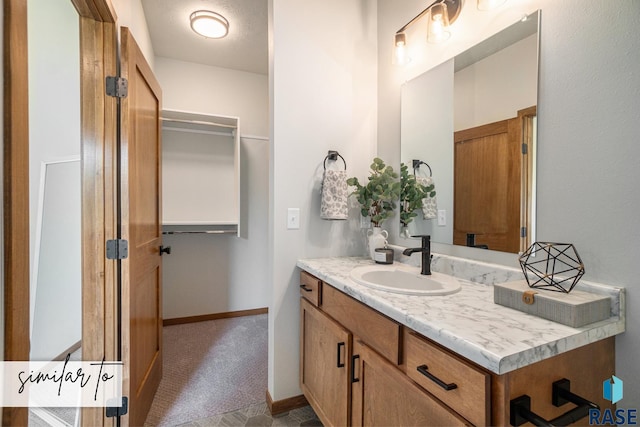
[293, 218]
[365, 222]
[442, 217]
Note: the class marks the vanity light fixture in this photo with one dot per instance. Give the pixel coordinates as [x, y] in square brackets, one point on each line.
[441, 14]
[438, 24]
[209, 24]
[485, 5]
[401, 57]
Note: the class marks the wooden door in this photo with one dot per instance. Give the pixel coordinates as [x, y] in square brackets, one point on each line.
[487, 185]
[141, 297]
[324, 367]
[382, 395]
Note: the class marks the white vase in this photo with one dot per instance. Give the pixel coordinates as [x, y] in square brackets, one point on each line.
[404, 231]
[377, 238]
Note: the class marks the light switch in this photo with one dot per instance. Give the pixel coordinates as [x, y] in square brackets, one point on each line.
[442, 217]
[293, 218]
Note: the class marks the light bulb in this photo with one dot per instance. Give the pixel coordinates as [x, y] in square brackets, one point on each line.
[400, 53]
[438, 28]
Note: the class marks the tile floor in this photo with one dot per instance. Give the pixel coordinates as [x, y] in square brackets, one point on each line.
[258, 415]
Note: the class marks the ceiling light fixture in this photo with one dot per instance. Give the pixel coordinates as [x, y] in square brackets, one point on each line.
[209, 24]
[442, 13]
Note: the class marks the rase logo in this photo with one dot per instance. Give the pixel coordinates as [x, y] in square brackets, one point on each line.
[613, 390]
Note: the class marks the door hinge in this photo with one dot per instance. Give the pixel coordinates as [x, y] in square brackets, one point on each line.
[525, 148]
[117, 249]
[117, 87]
[523, 231]
[117, 411]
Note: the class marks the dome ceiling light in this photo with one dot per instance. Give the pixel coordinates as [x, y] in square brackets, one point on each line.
[209, 24]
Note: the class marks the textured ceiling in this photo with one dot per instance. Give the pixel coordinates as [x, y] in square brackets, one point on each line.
[244, 48]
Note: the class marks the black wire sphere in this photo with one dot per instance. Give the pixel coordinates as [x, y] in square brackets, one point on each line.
[553, 266]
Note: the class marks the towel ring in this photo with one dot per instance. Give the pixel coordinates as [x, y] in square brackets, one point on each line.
[333, 155]
[416, 165]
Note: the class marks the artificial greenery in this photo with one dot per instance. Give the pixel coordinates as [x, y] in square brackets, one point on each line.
[411, 195]
[378, 197]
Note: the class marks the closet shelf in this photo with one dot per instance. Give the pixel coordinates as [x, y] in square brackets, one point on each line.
[202, 232]
[200, 228]
[199, 223]
[196, 126]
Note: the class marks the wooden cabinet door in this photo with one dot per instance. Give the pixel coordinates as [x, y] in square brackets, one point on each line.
[382, 395]
[324, 368]
[141, 302]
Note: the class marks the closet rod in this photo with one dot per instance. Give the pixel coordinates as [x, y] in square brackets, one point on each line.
[198, 122]
[202, 232]
[257, 138]
[226, 133]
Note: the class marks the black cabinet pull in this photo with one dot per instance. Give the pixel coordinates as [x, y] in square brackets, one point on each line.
[165, 249]
[353, 368]
[520, 407]
[305, 288]
[424, 370]
[340, 346]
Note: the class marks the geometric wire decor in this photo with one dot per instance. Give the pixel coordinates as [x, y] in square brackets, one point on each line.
[550, 263]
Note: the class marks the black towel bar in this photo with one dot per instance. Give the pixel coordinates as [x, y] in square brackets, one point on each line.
[333, 155]
[416, 165]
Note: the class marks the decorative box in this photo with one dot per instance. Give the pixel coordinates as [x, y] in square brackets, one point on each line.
[575, 309]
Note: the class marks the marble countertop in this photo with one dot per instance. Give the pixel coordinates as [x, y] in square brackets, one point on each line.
[498, 338]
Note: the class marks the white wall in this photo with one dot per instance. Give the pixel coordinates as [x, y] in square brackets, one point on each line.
[323, 96]
[588, 131]
[221, 273]
[498, 86]
[54, 133]
[427, 128]
[213, 90]
[198, 178]
[130, 14]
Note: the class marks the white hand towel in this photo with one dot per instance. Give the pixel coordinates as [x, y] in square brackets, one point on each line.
[429, 204]
[334, 195]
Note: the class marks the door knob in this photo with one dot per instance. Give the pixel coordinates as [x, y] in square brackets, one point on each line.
[166, 250]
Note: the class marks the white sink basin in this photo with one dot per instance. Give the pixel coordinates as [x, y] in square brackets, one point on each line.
[404, 279]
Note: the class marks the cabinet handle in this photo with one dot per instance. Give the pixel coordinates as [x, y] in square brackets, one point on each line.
[520, 407]
[340, 346]
[165, 249]
[353, 368]
[305, 288]
[424, 370]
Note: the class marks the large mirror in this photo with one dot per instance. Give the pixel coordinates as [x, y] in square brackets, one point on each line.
[468, 126]
[54, 191]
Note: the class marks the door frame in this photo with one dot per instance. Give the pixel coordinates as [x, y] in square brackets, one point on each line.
[98, 51]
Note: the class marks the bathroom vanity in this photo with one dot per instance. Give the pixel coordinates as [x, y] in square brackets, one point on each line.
[370, 357]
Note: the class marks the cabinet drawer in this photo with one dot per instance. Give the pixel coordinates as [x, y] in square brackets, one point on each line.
[384, 396]
[310, 288]
[378, 331]
[454, 381]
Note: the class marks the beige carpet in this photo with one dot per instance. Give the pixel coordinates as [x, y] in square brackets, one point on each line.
[211, 368]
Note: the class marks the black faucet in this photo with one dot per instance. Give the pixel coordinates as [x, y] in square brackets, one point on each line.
[426, 254]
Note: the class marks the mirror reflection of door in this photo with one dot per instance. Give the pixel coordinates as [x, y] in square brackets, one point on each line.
[492, 184]
[54, 190]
